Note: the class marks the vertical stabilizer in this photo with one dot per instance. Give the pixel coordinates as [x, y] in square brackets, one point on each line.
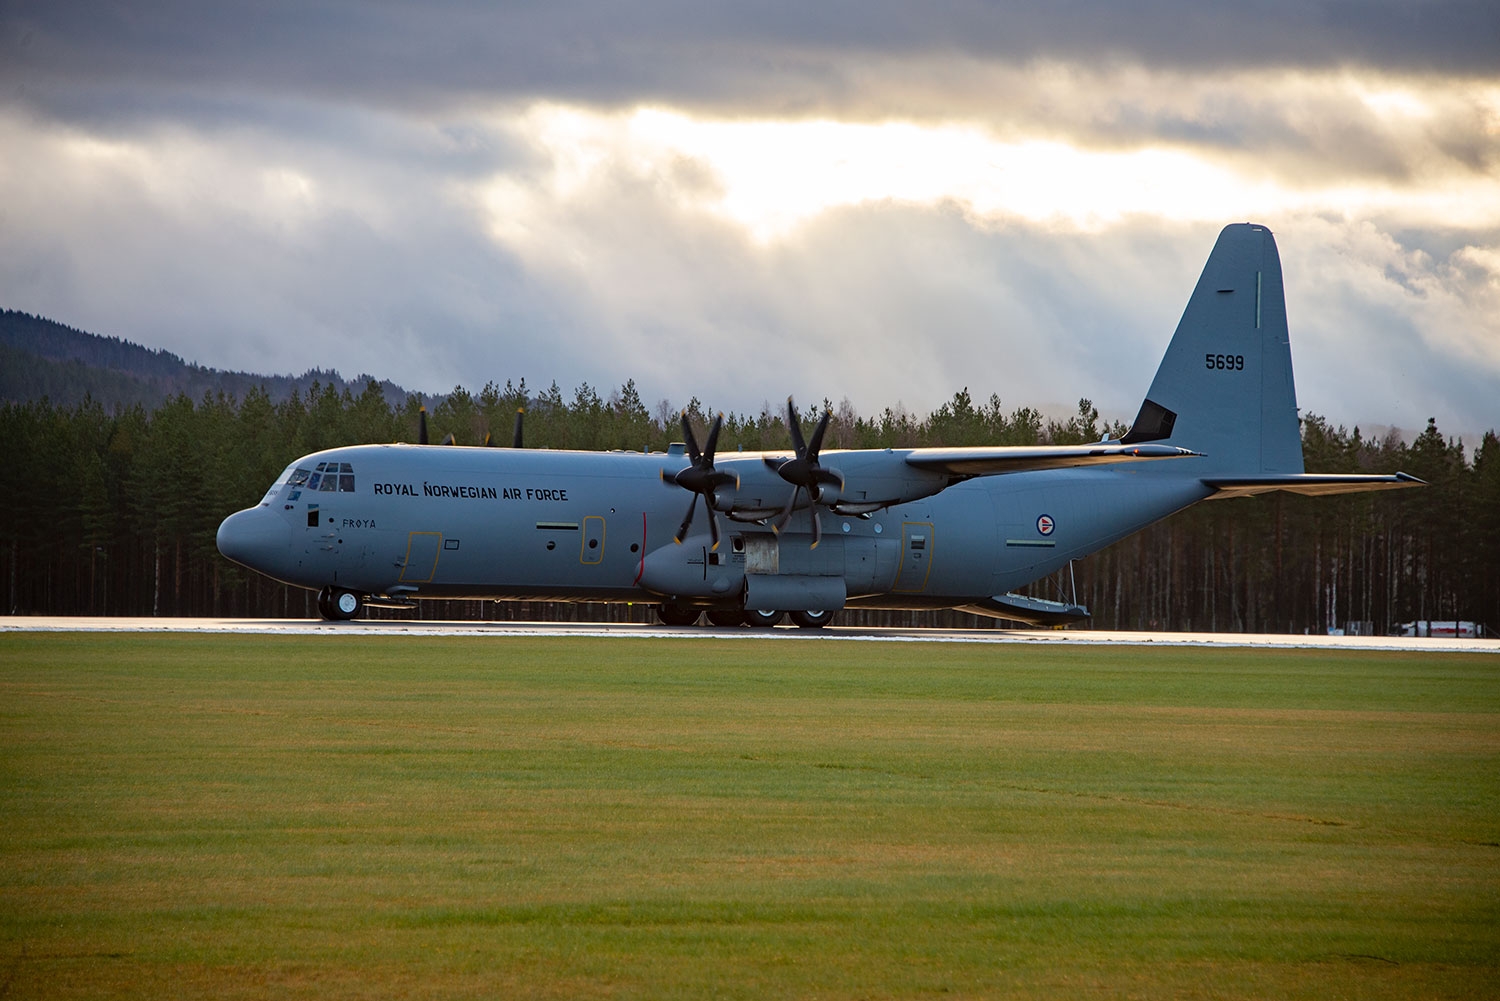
[1224, 387]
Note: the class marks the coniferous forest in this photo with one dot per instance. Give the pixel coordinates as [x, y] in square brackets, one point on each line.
[115, 512]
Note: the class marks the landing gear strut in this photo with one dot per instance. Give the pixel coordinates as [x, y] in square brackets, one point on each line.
[676, 615]
[672, 614]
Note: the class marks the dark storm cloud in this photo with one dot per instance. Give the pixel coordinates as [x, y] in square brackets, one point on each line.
[771, 56]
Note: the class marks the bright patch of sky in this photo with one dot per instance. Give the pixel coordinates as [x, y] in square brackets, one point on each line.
[769, 177]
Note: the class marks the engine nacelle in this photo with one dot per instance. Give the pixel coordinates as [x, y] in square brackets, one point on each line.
[692, 569]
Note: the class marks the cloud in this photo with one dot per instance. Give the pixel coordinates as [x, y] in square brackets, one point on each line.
[773, 54]
[883, 202]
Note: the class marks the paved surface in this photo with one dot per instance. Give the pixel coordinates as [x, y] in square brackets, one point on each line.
[832, 634]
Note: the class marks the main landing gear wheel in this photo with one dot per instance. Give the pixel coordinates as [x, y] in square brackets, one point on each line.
[811, 620]
[338, 605]
[726, 617]
[757, 619]
[676, 615]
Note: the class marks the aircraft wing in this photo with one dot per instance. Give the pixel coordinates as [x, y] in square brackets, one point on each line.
[1310, 484]
[988, 461]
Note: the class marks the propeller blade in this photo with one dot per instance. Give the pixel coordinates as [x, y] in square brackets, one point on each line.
[817, 528]
[794, 428]
[449, 439]
[515, 437]
[830, 477]
[421, 425]
[712, 444]
[686, 522]
[487, 442]
[816, 444]
[786, 512]
[695, 456]
[713, 525]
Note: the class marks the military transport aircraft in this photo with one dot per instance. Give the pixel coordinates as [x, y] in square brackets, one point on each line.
[805, 532]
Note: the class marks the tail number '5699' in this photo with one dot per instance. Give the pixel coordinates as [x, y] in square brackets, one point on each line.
[1224, 363]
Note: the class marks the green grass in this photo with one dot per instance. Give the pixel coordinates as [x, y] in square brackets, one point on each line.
[374, 817]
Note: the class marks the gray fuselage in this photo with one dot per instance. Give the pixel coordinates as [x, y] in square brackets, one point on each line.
[454, 522]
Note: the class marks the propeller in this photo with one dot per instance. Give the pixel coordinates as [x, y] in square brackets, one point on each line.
[451, 439]
[422, 429]
[804, 472]
[700, 476]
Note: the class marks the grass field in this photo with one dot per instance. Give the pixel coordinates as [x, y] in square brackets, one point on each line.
[191, 816]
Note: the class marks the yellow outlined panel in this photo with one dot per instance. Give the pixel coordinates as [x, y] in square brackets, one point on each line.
[422, 549]
[593, 532]
[917, 547]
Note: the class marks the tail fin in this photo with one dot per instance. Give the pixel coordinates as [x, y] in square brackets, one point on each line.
[1225, 387]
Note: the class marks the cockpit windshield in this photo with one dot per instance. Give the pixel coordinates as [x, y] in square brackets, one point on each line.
[325, 477]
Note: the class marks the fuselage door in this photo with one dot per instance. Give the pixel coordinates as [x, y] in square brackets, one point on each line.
[422, 549]
[592, 548]
[916, 556]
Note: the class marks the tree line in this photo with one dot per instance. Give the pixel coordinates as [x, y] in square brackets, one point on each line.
[115, 512]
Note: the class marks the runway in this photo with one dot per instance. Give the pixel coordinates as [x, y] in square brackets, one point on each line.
[831, 634]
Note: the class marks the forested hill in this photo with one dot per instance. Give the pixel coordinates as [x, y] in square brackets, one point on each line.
[43, 359]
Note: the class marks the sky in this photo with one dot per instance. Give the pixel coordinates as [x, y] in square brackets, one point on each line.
[876, 201]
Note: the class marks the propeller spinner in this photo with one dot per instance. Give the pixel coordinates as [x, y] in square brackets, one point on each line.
[803, 471]
[700, 476]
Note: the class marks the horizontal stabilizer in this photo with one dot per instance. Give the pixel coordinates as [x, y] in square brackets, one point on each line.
[1308, 484]
[1033, 611]
[988, 461]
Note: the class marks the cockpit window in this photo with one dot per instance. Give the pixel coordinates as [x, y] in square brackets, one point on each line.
[298, 476]
[332, 476]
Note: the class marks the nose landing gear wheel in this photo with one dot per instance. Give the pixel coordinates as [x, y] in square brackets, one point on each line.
[811, 620]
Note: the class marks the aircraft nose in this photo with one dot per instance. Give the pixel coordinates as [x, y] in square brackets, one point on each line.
[255, 538]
